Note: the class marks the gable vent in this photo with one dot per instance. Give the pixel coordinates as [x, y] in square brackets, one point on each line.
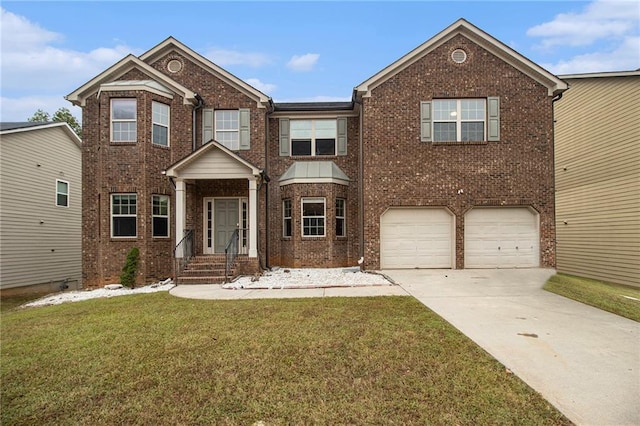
[459, 56]
[174, 66]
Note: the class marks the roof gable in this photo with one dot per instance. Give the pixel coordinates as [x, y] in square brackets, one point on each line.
[129, 62]
[171, 44]
[476, 35]
[19, 127]
[212, 160]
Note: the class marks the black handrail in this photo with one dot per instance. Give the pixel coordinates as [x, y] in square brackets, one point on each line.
[230, 253]
[186, 247]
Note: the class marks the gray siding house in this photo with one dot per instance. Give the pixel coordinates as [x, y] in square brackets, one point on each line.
[40, 208]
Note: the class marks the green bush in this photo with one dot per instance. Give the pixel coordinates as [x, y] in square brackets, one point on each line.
[130, 268]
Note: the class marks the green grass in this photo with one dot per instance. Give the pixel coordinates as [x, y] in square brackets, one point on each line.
[157, 359]
[606, 296]
[12, 302]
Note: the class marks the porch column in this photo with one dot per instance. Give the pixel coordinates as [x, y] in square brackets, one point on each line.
[180, 214]
[253, 218]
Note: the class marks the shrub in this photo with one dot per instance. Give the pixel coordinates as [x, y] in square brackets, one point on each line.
[130, 268]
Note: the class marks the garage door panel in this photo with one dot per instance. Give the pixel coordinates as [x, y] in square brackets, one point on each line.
[416, 238]
[501, 238]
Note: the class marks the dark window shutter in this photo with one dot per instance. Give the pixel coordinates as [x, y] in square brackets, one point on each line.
[245, 142]
[493, 118]
[342, 136]
[425, 122]
[284, 138]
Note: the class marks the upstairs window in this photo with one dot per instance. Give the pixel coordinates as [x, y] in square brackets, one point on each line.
[160, 120]
[458, 120]
[313, 137]
[227, 128]
[123, 120]
[123, 215]
[62, 193]
[313, 217]
[160, 214]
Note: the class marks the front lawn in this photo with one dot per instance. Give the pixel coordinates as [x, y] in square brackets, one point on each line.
[157, 359]
[619, 299]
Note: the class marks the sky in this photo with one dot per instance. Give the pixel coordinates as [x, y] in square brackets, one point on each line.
[291, 50]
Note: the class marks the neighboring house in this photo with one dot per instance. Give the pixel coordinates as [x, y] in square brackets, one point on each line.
[597, 167]
[444, 159]
[40, 208]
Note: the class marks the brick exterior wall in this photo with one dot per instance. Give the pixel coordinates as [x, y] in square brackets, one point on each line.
[400, 170]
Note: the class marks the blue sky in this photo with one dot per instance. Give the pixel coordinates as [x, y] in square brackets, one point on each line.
[292, 51]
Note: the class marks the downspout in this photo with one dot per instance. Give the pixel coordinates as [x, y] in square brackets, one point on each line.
[360, 182]
[198, 106]
[555, 99]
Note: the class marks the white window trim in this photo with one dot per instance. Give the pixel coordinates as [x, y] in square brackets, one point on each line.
[68, 194]
[284, 217]
[313, 137]
[324, 215]
[112, 120]
[122, 215]
[216, 130]
[343, 217]
[168, 216]
[153, 122]
[458, 120]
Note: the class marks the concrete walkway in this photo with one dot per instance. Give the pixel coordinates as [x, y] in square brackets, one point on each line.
[585, 361]
[215, 291]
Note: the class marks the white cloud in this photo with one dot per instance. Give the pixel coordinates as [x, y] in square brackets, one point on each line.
[304, 62]
[225, 57]
[620, 59]
[267, 88]
[599, 20]
[610, 28]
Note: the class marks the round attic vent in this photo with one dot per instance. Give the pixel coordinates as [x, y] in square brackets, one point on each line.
[459, 56]
[174, 66]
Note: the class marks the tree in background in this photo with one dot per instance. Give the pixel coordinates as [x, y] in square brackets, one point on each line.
[62, 114]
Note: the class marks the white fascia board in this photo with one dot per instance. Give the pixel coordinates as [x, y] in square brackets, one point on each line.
[635, 73]
[134, 87]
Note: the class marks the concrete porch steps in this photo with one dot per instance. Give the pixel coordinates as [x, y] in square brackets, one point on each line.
[205, 269]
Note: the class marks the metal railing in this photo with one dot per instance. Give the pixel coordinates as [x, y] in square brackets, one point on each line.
[184, 249]
[230, 253]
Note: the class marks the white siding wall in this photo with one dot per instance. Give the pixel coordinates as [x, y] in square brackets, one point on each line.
[597, 149]
[218, 163]
[32, 252]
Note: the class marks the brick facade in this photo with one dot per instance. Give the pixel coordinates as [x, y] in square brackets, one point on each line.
[397, 168]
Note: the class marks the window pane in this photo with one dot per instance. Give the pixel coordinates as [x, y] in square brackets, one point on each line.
[226, 119]
[62, 187]
[473, 131]
[288, 231]
[444, 132]
[444, 110]
[472, 109]
[301, 147]
[160, 113]
[160, 227]
[313, 226]
[300, 129]
[160, 135]
[339, 227]
[325, 147]
[124, 226]
[62, 200]
[312, 208]
[124, 131]
[228, 139]
[325, 129]
[123, 109]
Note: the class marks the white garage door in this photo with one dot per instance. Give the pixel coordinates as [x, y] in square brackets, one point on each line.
[416, 238]
[501, 238]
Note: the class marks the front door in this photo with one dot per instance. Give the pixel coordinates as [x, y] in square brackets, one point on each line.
[221, 220]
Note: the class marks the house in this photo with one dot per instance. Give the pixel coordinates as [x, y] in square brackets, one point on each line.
[40, 208]
[444, 159]
[598, 177]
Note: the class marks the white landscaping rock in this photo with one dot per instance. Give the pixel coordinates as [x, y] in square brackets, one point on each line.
[113, 286]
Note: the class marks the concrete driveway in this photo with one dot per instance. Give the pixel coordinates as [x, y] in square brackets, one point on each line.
[585, 361]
